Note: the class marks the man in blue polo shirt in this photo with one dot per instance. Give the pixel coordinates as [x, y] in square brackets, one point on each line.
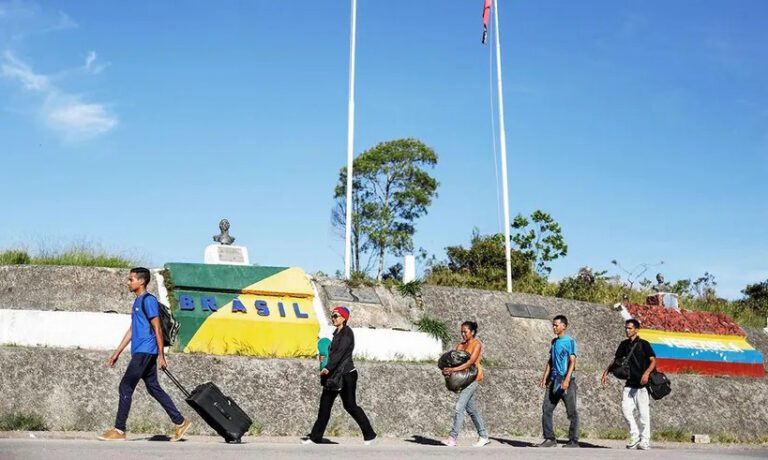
[560, 384]
[147, 353]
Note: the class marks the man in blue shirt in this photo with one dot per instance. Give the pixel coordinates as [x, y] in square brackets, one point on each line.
[147, 353]
[560, 384]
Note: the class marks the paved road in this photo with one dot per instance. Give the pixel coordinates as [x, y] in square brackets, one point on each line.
[82, 447]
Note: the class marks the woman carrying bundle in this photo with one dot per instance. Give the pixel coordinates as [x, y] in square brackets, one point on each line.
[467, 398]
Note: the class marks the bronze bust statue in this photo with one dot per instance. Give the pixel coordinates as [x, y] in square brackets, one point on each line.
[224, 237]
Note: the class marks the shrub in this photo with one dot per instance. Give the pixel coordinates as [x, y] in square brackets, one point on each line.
[435, 328]
[14, 257]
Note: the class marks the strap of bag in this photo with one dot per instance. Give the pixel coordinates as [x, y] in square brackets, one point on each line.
[176, 382]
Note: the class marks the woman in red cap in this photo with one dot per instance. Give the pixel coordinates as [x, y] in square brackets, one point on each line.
[339, 376]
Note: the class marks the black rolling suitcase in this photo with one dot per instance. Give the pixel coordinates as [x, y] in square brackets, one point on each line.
[219, 411]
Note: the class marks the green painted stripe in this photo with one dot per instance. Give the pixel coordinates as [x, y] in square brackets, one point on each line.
[209, 277]
[191, 320]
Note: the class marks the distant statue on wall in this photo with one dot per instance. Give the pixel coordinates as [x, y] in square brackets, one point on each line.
[585, 274]
[661, 285]
[224, 237]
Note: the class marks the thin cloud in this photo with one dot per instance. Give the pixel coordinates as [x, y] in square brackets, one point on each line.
[66, 113]
[91, 66]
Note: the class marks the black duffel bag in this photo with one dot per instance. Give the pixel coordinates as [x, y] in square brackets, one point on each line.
[620, 366]
[659, 385]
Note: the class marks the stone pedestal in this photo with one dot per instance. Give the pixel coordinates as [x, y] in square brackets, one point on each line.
[226, 255]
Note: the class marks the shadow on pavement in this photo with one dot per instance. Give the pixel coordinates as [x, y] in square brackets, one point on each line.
[512, 442]
[157, 437]
[323, 441]
[424, 441]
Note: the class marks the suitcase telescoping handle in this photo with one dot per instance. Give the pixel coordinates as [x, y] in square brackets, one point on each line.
[176, 382]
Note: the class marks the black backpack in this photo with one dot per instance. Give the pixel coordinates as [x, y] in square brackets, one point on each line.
[168, 323]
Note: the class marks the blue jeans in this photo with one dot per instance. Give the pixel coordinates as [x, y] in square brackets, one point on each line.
[466, 403]
[143, 366]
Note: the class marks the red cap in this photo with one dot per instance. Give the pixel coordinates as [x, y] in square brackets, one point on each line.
[343, 311]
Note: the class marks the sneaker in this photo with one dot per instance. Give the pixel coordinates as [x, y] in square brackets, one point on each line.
[450, 441]
[112, 434]
[572, 444]
[307, 441]
[644, 446]
[368, 442]
[481, 442]
[180, 430]
[548, 443]
[633, 444]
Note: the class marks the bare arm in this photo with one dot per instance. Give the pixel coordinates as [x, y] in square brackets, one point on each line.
[123, 343]
[545, 377]
[471, 361]
[571, 367]
[647, 373]
[604, 378]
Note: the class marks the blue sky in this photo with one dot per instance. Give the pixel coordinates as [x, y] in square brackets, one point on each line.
[642, 127]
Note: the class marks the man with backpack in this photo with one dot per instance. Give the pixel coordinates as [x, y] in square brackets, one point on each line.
[146, 337]
[634, 360]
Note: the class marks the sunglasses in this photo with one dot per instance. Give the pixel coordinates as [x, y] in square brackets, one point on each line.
[334, 316]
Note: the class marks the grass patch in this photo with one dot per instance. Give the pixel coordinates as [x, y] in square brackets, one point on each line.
[256, 429]
[434, 327]
[77, 255]
[14, 257]
[672, 434]
[18, 421]
[145, 426]
[613, 433]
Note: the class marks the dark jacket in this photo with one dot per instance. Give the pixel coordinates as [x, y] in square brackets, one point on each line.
[340, 356]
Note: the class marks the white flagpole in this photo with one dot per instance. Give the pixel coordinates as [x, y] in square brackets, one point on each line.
[503, 142]
[350, 141]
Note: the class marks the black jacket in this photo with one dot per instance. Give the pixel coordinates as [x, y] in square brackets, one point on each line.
[340, 355]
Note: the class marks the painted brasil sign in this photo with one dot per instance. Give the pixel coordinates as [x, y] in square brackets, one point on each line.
[244, 310]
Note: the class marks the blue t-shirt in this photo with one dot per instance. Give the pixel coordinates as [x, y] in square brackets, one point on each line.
[142, 335]
[562, 348]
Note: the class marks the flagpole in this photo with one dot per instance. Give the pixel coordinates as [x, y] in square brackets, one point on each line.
[350, 142]
[503, 142]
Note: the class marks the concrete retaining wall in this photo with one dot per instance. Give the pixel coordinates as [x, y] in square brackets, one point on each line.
[74, 389]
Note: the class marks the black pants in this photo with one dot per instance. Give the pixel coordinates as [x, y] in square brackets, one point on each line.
[551, 398]
[143, 366]
[348, 396]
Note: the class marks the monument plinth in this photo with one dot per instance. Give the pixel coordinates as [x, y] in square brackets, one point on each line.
[224, 253]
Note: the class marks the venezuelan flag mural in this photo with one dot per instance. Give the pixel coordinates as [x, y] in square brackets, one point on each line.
[244, 310]
[695, 341]
[710, 354]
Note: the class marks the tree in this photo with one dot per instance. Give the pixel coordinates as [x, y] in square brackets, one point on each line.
[756, 298]
[390, 191]
[539, 239]
[482, 265]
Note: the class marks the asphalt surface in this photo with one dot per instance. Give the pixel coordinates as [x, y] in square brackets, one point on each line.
[84, 446]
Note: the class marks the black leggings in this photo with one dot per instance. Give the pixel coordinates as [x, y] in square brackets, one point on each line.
[348, 396]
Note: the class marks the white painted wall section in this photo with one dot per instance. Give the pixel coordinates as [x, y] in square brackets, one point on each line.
[393, 345]
[97, 331]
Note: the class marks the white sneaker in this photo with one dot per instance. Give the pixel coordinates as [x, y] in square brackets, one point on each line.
[481, 442]
[644, 445]
[307, 441]
[369, 442]
[633, 444]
